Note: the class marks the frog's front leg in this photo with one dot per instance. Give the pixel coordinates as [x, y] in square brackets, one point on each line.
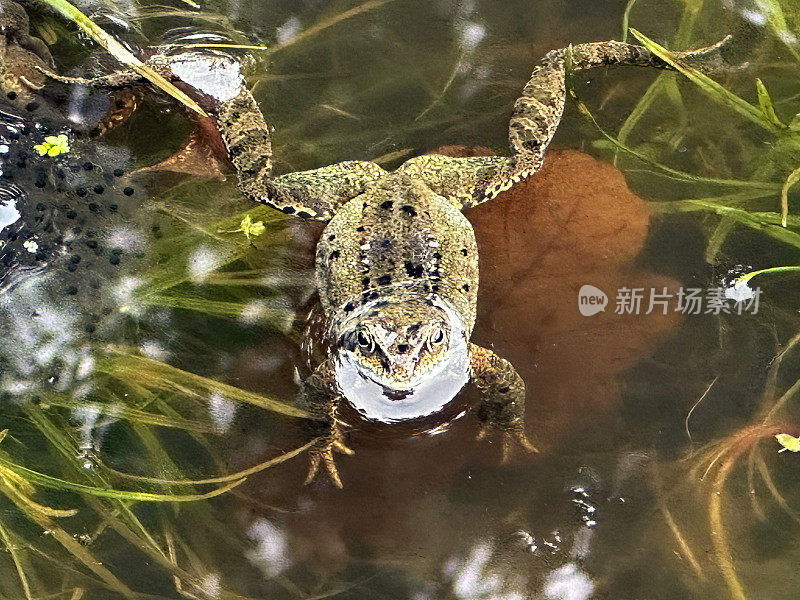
[320, 397]
[503, 406]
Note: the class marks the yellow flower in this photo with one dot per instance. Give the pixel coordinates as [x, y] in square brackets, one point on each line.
[248, 228]
[251, 229]
[789, 442]
[53, 145]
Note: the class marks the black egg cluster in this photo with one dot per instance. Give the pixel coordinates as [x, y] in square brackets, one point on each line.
[67, 205]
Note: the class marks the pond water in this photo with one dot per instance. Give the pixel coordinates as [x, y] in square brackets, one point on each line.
[150, 354]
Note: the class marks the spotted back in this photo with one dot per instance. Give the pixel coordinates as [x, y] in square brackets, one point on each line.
[395, 242]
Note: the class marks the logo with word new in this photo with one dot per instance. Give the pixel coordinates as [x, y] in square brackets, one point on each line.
[591, 300]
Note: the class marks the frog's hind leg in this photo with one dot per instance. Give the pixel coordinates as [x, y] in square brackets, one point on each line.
[319, 395]
[315, 194]
[537, 113]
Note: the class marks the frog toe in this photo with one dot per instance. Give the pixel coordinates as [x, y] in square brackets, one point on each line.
[516, 439]
[325, 459]
[322, 456]
[513, 440]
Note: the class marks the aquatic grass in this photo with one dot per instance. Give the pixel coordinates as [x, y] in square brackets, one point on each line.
[748, 276]
[773, 163]
[303, 35]
[127, 366]
[662, 169]
[72, 546]
[665, 84]
[232, 477]
[197, 249]
[762, 114]
[11, 546]
[712, 89]
[122, 54]
[776, 20]
[715, 463]
[115, 408]
[119, 516]
[18, 483]
[768, 223]
[9, 469]
[791, 181]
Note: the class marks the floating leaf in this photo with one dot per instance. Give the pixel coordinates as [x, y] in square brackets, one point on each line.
[251, 229]
[789, 442]
[53, 145]
[248, 227]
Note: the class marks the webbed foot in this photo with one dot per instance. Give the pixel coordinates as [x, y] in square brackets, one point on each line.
[194, 158]
[322, 455]
[503, 407]
[514, 438]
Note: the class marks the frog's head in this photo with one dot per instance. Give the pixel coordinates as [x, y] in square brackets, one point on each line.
[402, 353]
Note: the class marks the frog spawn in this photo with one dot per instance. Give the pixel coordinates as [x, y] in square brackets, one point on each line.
[65, 243]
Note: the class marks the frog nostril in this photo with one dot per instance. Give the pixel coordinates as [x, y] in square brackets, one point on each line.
[402, 348]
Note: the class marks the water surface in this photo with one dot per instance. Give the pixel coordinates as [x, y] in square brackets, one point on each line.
[621, 502]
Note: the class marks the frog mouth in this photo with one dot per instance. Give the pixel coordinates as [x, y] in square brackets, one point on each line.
[397, 395]
[425, 396]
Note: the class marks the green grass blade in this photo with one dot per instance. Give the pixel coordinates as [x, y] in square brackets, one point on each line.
[717, 238]
[710, 87]
[70, 544]
[221, 479]
[765, 104]
[55, 483]
[626, 17]
[121, 53]
[765, 186]
[129, 367]
[767, 223]
[776, 20]
[793, 178]
[11, 548]
[748, 276]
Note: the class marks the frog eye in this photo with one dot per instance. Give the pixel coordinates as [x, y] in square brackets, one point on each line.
[365, 340]
[437, 337]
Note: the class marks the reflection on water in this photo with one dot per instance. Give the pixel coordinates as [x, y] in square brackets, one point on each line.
[143, 334]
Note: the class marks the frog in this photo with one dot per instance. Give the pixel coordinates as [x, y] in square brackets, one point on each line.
[396, 264]
[397, 261]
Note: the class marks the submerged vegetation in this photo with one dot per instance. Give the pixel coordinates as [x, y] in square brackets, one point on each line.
[760, 198]
[127, 464]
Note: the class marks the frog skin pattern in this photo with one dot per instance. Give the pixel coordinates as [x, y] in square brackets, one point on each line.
[397, 263]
